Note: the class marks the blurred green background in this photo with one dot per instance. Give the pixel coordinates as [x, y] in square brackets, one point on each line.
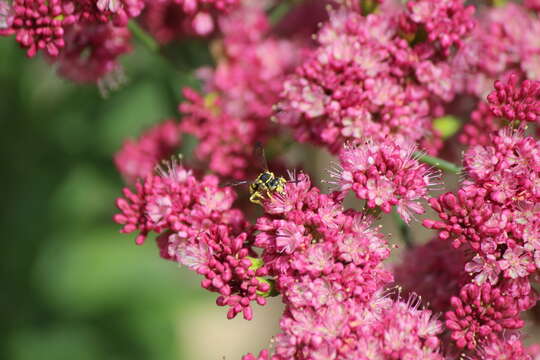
[72, 286]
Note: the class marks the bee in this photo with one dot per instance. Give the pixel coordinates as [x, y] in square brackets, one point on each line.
[266, 183]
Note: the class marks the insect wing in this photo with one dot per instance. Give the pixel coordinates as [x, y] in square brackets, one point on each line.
[260, 156]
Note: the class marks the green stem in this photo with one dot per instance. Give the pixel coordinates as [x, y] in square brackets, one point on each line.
[144, 38]
[404, 230]
[438, 163]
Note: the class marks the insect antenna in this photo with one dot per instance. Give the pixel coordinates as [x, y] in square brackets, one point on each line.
[233, 183]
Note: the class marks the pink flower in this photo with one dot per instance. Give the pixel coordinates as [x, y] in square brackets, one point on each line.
[175, 200]
[104, 11]
[487, 269]
[40, 25]
[385, 175]
[222, 258]
[138, 158]
[515, 102]
[356, 83]
[503, 348]
[499, 47]
[290, 237]
[199, 229]
[313, 293]
[166, 21]
[500, 184]
[239, 93]
[6, 18]
[91, 54]
[446, 22]
[384, 329]
[195, 255]
[516, 263]
[481, 313]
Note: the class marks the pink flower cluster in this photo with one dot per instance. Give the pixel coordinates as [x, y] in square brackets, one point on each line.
[499, 45]
[138, 158]
[327, 266]
[384, 175]
[376, 84]
[240, 93]
[174, 199]
[67, 30]
[168, 20]
[510, 101]
[508, 348]
[199, 229]
[381, 329]
[447, 23]
[43, 25]
[374, 76]
[85, 37]
[515, 102]
[223, 258]
[494, 214]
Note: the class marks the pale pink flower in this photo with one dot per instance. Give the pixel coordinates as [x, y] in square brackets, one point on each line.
[515, 262]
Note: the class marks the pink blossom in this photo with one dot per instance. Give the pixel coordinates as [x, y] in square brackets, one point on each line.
[503, 348]
[487, 269]
[138, 158]
[290, 237]
[91, 53]
[354, 84]
[385, 175]
[494, 214]
[481, 313]
[175, 200]
[166, 21]
[384, 329]
[327, 246]
[222, 258]
[515, 102]
[119, 11]
[6, 18]
[500, 184]
[499, 47]
[515, 263]
[239, 93]
[446, 22]
[314, 293]
[40, 25]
